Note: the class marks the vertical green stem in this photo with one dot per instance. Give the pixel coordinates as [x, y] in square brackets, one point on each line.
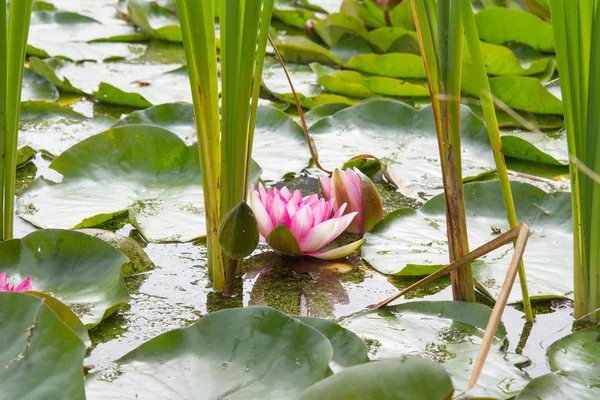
[3, 132]
[489, 113]
[18, 31]
[441, 49]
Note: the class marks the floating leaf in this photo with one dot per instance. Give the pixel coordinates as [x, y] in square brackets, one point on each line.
[298, 49]
[408, 237]
[408, 378]
[82, 271]
[249, 353]
[447, 332]
[548, 147]
[501, 25]
[403, 138]
[576, 351]
[154, 19]
[36, 88]
[583, 384]
[41, 357]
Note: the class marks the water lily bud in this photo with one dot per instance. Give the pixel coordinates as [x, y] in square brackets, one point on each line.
[294, 225]
[357, 191]
[387, 5]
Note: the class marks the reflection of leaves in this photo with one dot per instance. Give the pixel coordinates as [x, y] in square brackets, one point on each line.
[299, 286]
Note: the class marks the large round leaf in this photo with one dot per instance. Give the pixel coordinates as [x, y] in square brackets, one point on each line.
[53, 128]
[408, 237]
[579, 350]
[40, 357]
[404, 138]
[249, 353]
[144, 169]
[583, 384]
[402, 379]
[82, 271]
[348, 349]
[447, 332]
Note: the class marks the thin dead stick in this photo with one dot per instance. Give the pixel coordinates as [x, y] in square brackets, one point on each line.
[313, 153]
[496, 316]
[505, 238]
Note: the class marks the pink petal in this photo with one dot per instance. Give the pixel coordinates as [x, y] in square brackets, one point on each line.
[354, 192]
[340, 211]
[344, 222]
[302, 222]
[24, 286]
[3, 281]
[292, 208]
[319, 236]
[265, 226]
[297, 196]
[262, 194]
[320, 211]
[285, 193]
[326, 186]
[313, 198]
[277, 210]
[338, 252]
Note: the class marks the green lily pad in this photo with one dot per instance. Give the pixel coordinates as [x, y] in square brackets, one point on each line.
[294, 13]
[393, 39]
[299, 49]
[82, 271]
[581, 384]
[447, 332]
[577, 351]
[145, 170]
[348, 348]
[322, 111]
[525, 94]
[408, 237]
[317, 100]
[36, 88]
[500, 25]
[249, 353]
[303, 77]
[409, 377]
[353, 84]
[392, 65]
[404, 138]
[53, 128]
[548, 148]
[176, 117]
[41, 357]
[279, 144]
[70, 35]
[500, 61]
[46, 69]
[334, 26]
[156, 20]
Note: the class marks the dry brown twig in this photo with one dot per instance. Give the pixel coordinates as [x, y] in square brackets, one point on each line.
[520, 233]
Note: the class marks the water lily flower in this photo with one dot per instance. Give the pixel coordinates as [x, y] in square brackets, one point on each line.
[354, 189]
[295, 225]
[5, 286]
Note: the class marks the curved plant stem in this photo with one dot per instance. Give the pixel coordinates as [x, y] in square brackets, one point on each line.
[489, 112]
[313, 153]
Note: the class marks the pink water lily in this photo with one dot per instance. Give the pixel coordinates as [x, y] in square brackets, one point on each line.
[295, 225]
[5, 286]
[354, 189]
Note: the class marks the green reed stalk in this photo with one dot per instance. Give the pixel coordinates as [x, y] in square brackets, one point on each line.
[17, 31]
[3, 83]
[225, 146]
[577, 37]
[440, 33]
[489, 113]
[197, 22]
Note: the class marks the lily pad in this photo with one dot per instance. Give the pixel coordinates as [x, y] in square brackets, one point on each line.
[348, 348]
[334, 26]
[392, 65]
[154, 19]
[579, 350]
[501, 25]
[249, 353]
[54, 128]
[69, 35]
[145, 170]
[404, 138]
[41, 357]
[82, 271]
[408, 237]
[36, 88]
[299, 49]
[447, 332]
[176, 117]
[542, 147]
[405, 378]
[578, 384]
